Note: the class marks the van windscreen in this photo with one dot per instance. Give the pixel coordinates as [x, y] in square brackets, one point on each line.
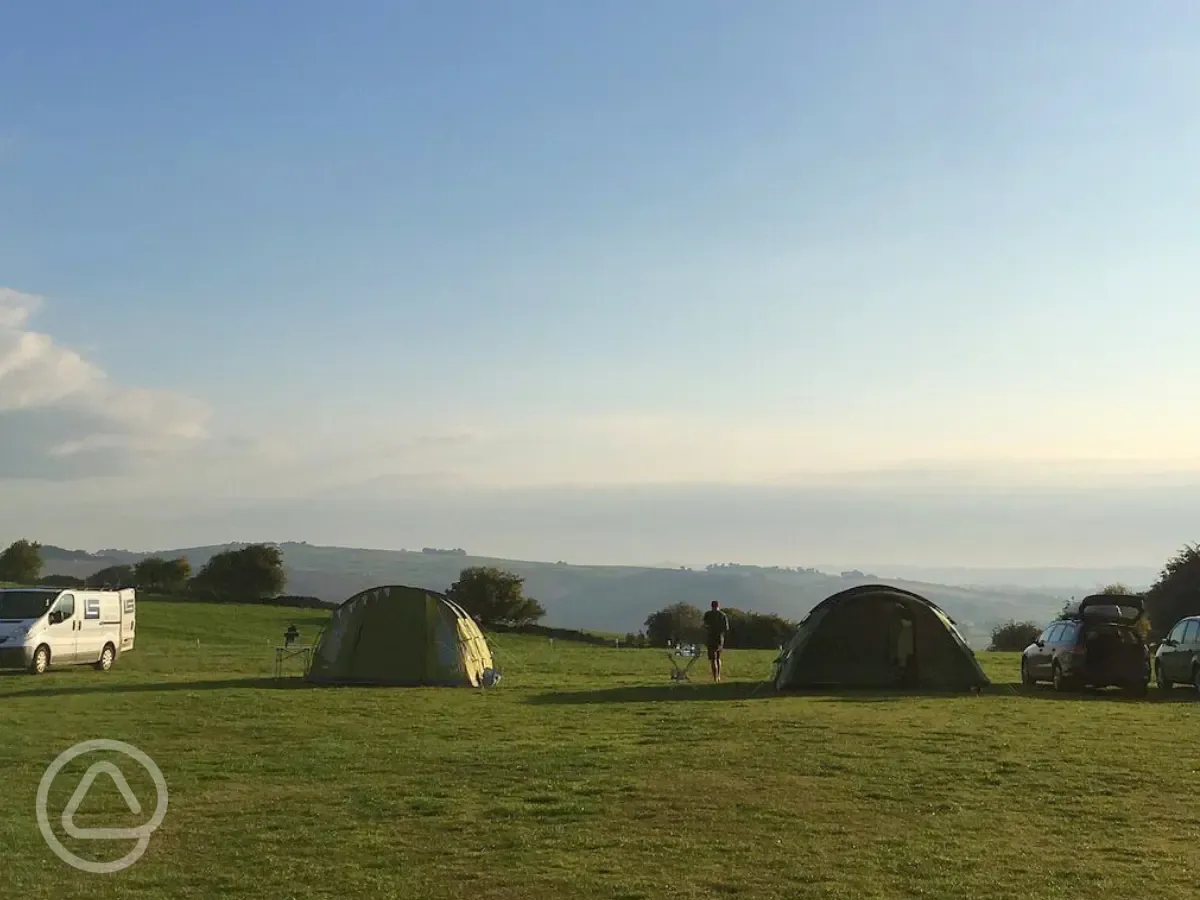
[24, 604]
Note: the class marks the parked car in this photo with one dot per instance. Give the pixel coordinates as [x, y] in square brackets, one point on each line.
[1177, 659]
[1097, 643]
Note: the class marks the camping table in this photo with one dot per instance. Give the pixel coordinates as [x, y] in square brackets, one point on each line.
[680, 673]
[285, 653]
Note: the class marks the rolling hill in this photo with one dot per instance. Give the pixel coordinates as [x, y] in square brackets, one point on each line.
[606, 598]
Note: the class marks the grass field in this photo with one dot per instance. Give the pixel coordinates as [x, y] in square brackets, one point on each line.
[586, 774]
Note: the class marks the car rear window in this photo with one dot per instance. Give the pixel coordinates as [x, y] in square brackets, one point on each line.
[1123, 633]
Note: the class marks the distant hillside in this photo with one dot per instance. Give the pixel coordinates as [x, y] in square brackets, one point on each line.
[604, 598]
[1045, 579]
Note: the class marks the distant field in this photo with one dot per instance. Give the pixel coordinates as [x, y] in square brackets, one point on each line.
[585, 774]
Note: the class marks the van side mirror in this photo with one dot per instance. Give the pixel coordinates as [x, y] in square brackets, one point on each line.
[56, 617]
[1039, 643]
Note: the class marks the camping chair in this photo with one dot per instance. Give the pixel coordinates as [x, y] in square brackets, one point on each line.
[691, 653]
[291, 650]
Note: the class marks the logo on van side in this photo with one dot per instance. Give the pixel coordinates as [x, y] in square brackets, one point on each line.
[91, 608]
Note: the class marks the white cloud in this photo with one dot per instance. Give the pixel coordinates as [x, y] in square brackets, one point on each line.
[61, 416]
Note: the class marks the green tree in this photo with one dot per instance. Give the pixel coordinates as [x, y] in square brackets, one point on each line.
[1176, 593]
[162, 575]
[494, 597]
[21, 562]
[757, 631]
[112, 578]
[1014, 635]
[677, 623]
[253, 572]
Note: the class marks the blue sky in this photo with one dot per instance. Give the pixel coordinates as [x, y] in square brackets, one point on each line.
[468, 248]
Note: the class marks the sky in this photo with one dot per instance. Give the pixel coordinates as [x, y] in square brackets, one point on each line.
[613, 282]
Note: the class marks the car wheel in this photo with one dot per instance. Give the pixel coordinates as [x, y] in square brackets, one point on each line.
[107, 655]
[1060, 680]
[1161, 679]
[1026, 678]
[41, 660]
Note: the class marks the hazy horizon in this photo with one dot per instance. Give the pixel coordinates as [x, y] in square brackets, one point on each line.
[615, 283]
[1080, 528]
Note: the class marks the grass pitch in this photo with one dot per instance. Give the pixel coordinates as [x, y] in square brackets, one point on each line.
[587, 774]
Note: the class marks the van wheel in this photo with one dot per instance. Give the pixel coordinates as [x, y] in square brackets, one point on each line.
[41, 660]
[107, 655]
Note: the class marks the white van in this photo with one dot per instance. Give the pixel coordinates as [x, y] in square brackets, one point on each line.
[40, 627]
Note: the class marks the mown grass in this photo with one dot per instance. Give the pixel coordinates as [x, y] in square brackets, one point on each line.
[585, 773]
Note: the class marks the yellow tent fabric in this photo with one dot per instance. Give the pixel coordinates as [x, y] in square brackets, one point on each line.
[401, 635]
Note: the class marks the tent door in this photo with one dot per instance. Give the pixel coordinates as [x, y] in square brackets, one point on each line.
[904, 647]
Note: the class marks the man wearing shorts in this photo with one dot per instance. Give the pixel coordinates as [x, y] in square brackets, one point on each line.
[716, 625]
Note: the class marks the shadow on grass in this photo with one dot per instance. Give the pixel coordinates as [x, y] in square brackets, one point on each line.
[1001, 689]
[653, 693]
[764, 690]
[155, 687]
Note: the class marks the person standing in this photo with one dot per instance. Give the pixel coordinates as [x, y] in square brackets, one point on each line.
[716, 626]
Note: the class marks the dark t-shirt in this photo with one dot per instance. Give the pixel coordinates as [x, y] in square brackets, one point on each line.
[716, 623]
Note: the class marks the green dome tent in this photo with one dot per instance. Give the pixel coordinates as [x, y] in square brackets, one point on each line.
[399, 635]
[878, 636]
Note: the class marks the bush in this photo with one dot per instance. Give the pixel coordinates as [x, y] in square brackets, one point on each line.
[62, 581]
[1176, 594]
[676, 624]
[683, 622]
[558, 634]
[1014, 635]
[113, 578]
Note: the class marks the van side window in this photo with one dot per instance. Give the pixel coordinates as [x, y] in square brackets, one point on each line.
[1069, 633]
[1053, 633]
[66, 606]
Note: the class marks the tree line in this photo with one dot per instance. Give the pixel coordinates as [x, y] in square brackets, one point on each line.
[496, 597]
[1174, 595]
[250, 573]
[254, 573]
